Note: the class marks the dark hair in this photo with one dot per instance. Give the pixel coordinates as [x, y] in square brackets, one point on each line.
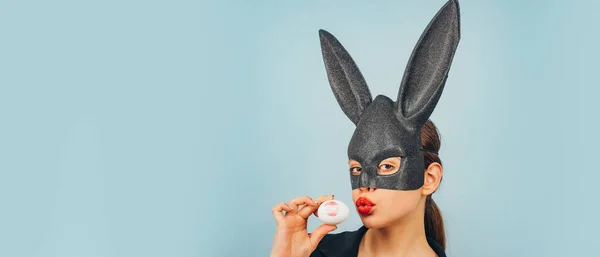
[434, 223]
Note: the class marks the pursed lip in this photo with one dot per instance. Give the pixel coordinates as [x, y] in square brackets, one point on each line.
[363, 201]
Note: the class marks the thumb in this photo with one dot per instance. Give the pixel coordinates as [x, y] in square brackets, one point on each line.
[320, 232]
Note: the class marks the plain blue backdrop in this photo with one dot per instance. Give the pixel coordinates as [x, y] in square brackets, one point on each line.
[170, 128]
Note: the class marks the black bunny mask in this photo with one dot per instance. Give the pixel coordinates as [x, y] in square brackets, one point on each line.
[385, 128]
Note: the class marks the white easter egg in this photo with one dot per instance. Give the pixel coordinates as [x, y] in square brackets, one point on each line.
[333, 212]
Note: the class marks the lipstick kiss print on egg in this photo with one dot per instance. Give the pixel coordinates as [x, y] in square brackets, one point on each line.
[332, 208]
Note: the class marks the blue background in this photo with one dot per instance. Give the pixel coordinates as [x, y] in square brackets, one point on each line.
[170, 128]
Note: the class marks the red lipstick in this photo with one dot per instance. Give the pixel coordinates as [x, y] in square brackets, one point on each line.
[364, 205]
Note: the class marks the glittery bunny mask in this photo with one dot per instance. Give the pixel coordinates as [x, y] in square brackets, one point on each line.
[385, 128]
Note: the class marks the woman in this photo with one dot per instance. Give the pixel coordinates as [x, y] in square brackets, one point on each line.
[393, 227]
[393, 162]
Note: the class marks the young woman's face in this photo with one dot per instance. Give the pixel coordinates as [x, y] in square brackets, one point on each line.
[381, 207]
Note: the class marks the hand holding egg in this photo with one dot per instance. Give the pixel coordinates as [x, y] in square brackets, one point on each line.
[291, 237]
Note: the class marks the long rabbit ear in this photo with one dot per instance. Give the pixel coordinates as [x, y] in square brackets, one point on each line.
[428, 66]
[347, 82]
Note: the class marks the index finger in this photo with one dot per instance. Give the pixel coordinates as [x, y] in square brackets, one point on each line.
[307, 211]
[303, 200]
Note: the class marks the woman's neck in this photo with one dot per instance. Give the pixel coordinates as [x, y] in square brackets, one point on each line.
[403, 238]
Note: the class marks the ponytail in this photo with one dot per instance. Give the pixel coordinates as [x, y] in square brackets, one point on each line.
[434, 224]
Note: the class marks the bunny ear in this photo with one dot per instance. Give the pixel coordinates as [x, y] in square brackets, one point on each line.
[347, 82]
[429, 64]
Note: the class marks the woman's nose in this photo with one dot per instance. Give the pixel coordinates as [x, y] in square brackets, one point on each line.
[368, 189]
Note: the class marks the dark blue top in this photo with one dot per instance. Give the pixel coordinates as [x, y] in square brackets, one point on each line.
[345, 244]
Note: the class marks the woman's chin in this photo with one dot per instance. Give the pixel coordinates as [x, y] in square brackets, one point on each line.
[372, 221]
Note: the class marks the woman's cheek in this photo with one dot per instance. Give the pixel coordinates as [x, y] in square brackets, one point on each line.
[355, 194]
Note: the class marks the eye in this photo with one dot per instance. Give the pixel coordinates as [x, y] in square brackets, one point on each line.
[389, 166]
[355, 167]
[386, 167]
[355, 170]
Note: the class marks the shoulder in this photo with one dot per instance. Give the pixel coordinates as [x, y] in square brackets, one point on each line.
[339, 245]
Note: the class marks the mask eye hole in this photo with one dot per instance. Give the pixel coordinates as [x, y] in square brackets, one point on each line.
[389, 166]
[355, 167]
